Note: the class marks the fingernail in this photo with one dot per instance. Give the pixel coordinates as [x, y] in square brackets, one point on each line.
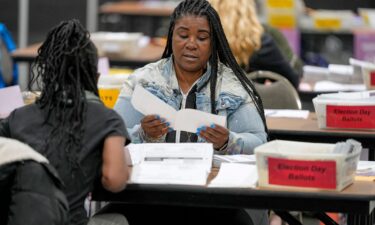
[203, 128]
[170, 129]
[197, 133]
[157, 117]
[212, 126]
[198, 130]
[167, 123]
[162, 120]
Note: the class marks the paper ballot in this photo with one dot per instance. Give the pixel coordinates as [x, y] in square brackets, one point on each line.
[10, 99]
[184, 119]
[229, 176]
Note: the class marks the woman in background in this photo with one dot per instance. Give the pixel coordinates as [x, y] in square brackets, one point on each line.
[253, 48]
[68, 124]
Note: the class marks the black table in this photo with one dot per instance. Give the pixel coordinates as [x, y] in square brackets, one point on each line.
[307, 130]
[357, 200]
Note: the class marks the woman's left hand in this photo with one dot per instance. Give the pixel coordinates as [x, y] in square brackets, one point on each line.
[215, 134]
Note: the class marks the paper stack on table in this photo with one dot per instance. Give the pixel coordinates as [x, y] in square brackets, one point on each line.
[171, 163]
[235, 175]
[366, 168]
[290, 113]
[240, 158]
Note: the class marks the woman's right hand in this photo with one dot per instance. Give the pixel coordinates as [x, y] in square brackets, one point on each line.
[153, 126]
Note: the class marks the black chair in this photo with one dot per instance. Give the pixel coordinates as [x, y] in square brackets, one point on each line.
[30, 189]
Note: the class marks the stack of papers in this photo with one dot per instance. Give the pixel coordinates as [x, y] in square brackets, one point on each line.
[245, 159]
[347, 98]
[326, 86]
[290, 113]
[170, 163]
[236, 175]
[366, 168]
[335, 78]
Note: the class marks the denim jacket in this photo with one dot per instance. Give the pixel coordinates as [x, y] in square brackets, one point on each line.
[243, 120]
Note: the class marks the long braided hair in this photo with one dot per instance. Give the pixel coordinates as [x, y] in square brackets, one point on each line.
[220, 49]
[65, 67]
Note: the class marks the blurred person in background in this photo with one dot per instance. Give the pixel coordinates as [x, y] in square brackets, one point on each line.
[253, 47]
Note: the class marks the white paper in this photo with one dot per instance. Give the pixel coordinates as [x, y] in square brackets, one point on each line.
[103, 66]
[134, 154]
[148, 104]
[365, 98]
[190, 120]
[171, 163]
[322, 86]
[361, 63]
[10, 99]
[348, 96]
[341, 70]
[156, 173]
[235, 175]
[366, 168]
[186, 119]
[238, 158]
[315, 70]
[303, 114]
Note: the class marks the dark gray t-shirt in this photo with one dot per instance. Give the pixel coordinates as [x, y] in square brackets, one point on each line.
[26, 124]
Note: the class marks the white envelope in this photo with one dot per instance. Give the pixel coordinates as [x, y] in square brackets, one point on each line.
[185, 119]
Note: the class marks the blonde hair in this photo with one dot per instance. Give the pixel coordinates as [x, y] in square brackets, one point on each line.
[241, 26]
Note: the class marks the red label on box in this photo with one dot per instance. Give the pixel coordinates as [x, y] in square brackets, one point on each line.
[302, 173]
[350, 116]
[372, 78]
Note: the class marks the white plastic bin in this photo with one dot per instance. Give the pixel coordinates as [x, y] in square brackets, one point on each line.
[304, 165]
[116, 44]
[351, 110]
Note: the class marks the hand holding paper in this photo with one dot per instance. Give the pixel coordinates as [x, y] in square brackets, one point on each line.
[186, 119]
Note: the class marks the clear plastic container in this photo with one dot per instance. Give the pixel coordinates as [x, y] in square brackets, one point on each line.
[312, 156]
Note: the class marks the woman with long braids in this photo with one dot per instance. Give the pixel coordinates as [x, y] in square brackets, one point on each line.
[68, 124]
[197, 70]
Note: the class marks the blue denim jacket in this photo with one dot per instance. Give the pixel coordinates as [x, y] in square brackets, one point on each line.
[243, 121]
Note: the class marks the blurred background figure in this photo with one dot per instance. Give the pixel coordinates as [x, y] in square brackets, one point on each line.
[253, 47]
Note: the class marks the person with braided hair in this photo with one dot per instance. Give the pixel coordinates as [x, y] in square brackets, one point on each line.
[197, 70]
[68, 124]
